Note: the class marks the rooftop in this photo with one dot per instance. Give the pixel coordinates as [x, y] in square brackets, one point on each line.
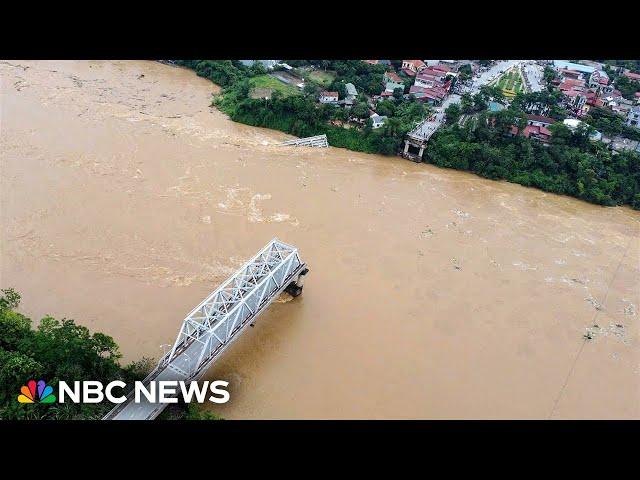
[541, 119]
[563, 64]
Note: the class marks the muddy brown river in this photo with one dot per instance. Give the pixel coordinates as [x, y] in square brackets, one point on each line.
[433, 293]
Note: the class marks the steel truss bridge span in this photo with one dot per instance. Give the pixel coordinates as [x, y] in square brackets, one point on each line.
[219, 319]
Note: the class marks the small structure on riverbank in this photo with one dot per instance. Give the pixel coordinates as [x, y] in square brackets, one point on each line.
[416, 140]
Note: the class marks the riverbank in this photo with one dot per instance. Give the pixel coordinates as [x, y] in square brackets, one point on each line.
[570, 165]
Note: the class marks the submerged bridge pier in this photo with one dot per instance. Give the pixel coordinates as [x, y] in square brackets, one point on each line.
[219, 319]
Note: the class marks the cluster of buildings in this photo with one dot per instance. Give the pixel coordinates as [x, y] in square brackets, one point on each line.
[584, 86]
[431, 84]
[334, 98]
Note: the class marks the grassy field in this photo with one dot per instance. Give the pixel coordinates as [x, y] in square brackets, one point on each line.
[321, 77]
[511, 82]
[264, 85]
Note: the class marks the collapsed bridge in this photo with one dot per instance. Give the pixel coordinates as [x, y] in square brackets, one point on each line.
[219, 319]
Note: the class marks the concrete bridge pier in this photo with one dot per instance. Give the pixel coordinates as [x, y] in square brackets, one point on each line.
[413, 156]
[295, 288]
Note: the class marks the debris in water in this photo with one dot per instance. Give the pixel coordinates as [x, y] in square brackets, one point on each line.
[629, 309]
[427, 232]
[594, 302]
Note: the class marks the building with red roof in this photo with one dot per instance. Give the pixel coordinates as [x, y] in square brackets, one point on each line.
[328, 97]
[632, 75]
[433, 95]
[392, 77]
[413, 65]
[443, 68]
[540, 120]
[539, 133]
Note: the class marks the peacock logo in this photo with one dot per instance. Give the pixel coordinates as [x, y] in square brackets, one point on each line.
[44, 391]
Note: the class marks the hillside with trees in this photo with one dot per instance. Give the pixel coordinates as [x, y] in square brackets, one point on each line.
[62, 350]
[571, 165]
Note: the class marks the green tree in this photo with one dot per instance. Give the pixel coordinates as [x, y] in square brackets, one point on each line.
[360, 110]
[466, 103]
[452, 113]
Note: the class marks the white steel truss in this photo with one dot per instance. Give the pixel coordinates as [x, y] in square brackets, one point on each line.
[211, 326]
[215, 321]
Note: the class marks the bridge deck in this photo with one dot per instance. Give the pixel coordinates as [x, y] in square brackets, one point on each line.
[214, 324]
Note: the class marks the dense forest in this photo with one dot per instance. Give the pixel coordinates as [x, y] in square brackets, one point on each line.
[62, 350]
[571, 165]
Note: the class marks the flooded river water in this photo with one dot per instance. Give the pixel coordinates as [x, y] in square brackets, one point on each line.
[126, 199]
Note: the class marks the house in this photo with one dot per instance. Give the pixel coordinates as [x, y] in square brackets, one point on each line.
[449, 71]
[539, 133]
[443, 68]
[606, 89]
[433, 95]
[542, 134]
[572, 84]
[391, 77]
[571, 74]
[540, 121]
[576, 100]
[391, 86]
[578, 67]
[430, 77]
[377, 120]
[633, 117]
[594, 100]
[598, 78]
[632, 75]
[371, 62]
[328, 97]
[352, 93]
[411, 67]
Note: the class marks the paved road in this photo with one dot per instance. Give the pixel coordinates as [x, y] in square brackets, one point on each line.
[427, 127]
[534, 73]
[492, 73]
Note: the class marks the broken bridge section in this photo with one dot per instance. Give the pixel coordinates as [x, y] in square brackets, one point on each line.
[219, 319]
[317, 141]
